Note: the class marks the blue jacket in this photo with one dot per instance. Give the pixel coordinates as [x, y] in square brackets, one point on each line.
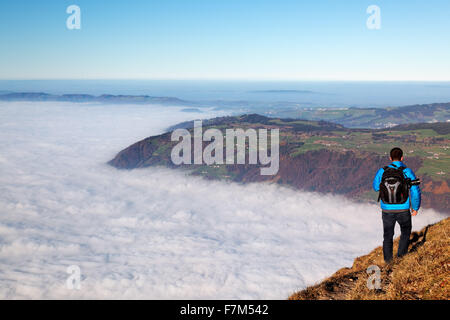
[414, 194]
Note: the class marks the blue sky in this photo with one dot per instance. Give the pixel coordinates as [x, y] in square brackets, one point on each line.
[232, 39]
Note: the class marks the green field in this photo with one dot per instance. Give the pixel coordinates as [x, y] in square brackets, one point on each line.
[435, 154]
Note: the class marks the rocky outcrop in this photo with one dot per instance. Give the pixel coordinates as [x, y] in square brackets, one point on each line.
[436, 194]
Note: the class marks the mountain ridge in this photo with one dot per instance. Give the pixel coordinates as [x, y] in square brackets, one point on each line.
[104, 98]
[317, 156]
[352, 117]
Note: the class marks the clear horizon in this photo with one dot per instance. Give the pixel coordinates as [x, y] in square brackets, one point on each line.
[231, 41]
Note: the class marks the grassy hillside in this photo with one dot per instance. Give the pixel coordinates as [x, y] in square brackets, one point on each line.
[424, 273]
[319, 156]
[373, 117]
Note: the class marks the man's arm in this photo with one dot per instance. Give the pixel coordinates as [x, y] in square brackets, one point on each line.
[414, 192]
[377, 180]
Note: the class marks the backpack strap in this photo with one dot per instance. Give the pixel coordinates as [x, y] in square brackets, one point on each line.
[379, 192]
[395, 167]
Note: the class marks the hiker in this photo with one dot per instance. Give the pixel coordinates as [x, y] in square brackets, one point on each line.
[399, 193]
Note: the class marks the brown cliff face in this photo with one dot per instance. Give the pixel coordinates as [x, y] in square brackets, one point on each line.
[343, 173]
[140, 154]
[436, 194]
[326, 171]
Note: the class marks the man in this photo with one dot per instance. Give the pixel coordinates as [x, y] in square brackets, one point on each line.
[396, 202]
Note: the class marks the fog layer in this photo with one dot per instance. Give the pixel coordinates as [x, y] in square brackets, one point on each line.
[155, 233]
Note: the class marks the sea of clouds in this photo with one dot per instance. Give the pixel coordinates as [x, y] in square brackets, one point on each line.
[155, 233]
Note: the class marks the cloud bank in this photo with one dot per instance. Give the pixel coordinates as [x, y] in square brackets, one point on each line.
[155, 233]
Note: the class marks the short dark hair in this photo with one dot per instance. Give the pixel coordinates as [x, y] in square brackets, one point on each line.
[396, 153]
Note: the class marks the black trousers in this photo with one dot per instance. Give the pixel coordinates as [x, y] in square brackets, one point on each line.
[404, 220]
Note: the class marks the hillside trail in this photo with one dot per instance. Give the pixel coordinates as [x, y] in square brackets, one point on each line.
[351, 283]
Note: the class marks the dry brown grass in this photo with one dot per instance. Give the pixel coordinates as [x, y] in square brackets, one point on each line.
[424, 273]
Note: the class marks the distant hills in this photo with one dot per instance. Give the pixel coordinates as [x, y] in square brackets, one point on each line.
[105, 98]
[282, 91]
[348, 117]
[375, 117]
[319, 156]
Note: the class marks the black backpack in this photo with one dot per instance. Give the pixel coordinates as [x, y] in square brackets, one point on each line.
[394, 188]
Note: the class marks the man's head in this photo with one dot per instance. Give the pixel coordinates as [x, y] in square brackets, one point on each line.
[396, 154]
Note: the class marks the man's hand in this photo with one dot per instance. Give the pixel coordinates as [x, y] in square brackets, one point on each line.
[413, 212]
